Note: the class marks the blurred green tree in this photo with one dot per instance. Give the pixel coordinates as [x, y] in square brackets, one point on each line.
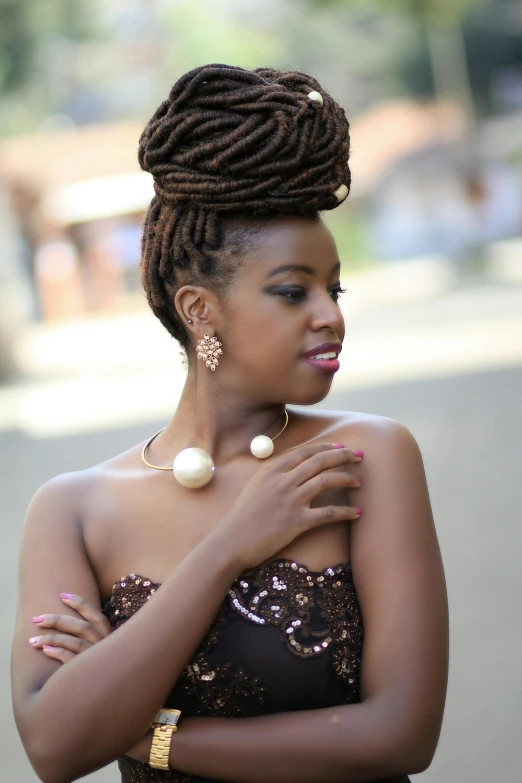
[36, 40]
[441, 23]
[25, 26]
[439, 9]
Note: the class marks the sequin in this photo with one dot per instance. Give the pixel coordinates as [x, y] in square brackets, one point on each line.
[316, 614]
[138, 772]
[321, 604]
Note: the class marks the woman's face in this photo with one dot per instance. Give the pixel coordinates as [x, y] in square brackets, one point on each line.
[282, 305]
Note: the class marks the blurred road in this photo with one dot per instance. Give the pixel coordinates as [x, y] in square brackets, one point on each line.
[466, 417]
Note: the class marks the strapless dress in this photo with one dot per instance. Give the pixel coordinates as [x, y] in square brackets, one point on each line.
[285, 638]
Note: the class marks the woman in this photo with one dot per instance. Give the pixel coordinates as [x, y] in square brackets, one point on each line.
[265, 564]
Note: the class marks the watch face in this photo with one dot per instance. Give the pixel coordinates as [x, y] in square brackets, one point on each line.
[168, 717]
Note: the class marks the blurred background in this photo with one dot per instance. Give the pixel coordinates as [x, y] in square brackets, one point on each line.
[431, 245]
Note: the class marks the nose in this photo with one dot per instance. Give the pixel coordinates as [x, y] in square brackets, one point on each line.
[327, 315]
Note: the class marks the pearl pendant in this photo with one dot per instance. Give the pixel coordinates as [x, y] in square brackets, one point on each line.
[262, 446]
[193, 468]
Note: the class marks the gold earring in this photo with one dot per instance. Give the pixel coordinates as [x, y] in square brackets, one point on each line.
[209, 349]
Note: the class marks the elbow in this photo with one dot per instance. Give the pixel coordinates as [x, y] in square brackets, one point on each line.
[404, 746]
[48, 757]
[49, 765]
[422, 758]
[414, 754]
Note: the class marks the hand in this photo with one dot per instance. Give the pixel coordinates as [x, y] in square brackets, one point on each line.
[71, 635]
[274, 507]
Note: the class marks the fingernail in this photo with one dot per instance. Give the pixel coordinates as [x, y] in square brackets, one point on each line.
[38, 619]
[67, 596]
[357, 453]
[338, 445]
[34, 639]
[358, 511]
[47, 647]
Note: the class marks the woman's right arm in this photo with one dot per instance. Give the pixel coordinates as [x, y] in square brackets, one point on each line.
[77, 718]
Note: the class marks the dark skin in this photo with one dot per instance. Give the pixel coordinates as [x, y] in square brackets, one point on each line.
[84, 530]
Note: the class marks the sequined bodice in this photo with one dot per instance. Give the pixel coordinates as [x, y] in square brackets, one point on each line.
[285, 638]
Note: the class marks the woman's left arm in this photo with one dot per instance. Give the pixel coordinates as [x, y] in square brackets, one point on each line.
[400, 582]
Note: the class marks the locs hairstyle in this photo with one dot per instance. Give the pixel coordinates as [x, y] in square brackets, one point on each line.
[230, 149]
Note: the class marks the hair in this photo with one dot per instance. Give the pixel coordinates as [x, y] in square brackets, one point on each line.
[229, 151]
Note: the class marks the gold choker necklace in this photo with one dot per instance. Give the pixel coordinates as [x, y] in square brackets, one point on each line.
[194, 467]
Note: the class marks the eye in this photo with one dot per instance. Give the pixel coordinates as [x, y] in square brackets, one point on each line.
[336, 292]
[292, 295]
[296, 294]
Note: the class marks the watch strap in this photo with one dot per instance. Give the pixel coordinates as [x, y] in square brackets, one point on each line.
[160, 748]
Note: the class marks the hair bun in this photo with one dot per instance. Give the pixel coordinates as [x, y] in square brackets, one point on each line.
[229, 140]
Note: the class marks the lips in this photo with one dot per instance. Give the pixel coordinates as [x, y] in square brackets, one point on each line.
[324, 357]
[323, 348]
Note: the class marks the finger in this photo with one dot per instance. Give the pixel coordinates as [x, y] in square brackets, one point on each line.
[59, 654]
[324, 515]
[68, 642]
[324, 481]
[320, 461]
[68, 624]
[288, 460]
[90, 613]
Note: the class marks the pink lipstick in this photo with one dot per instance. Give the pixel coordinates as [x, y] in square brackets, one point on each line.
[324, 357]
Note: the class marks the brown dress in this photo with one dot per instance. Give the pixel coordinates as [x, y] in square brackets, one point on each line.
[285, 638]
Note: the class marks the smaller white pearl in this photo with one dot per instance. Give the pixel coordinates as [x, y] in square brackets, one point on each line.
[316, 96]
[193, 468]
[341, 192]
[262, 446]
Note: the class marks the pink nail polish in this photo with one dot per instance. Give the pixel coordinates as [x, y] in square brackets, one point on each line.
[338, 445]
[67, 596]
[357, 453]
[34, 639]
[38, 619]
[47, 647]
[358, 511]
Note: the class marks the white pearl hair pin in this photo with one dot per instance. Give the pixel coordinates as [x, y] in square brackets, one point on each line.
[341, 193]
[316, 96]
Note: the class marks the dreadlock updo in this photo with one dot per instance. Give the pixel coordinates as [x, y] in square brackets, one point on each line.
[230, 147]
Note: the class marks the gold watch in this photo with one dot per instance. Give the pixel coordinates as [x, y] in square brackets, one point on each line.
[164, 725]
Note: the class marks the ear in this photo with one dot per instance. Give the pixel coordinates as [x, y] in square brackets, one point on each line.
[197, 304]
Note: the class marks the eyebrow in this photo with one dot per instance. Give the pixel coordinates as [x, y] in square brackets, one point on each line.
[298, 268]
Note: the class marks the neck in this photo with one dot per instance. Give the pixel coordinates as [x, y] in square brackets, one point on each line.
[220, 422]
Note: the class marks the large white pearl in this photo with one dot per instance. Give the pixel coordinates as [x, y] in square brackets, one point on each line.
[193, 468]
[262, 446]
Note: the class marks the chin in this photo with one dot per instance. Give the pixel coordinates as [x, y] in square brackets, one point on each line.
[307, 395]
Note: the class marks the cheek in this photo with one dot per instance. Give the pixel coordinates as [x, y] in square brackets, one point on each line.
[257, 335]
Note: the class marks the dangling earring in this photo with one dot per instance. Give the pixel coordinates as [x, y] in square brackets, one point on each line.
[209, 349]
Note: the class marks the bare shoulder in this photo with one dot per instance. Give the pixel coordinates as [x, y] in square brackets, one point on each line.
[69, 494]
[359, 430]
[60, 493]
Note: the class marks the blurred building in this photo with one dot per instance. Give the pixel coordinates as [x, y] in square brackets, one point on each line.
[79, 197]
[443, 201]
[430, 185]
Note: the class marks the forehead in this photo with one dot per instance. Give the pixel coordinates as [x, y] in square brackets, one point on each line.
[298, 241]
